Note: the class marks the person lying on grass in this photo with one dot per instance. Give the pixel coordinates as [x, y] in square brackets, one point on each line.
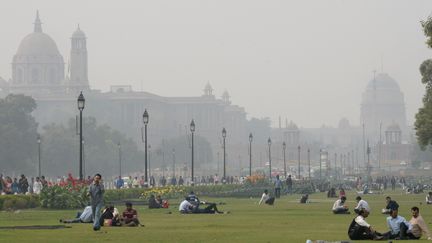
[85, 216]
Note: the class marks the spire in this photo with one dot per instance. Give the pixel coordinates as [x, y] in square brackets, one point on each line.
[37, 23]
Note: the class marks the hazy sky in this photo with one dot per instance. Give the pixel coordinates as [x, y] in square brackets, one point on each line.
[305, 60]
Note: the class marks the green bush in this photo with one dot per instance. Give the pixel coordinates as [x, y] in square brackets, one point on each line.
[64, 197]
[13, 202]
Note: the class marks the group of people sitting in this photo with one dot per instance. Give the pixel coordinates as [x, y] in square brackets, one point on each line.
[192, 204]
[110, 217]
[157, 202]
[399, 227]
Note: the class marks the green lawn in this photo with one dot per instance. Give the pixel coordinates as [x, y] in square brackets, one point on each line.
[287, 221]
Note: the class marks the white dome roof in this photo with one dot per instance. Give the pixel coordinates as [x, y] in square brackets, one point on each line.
[37, 44]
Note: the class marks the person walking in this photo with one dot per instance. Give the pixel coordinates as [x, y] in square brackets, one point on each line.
[96, 193]
[278, 186]
[289, 184]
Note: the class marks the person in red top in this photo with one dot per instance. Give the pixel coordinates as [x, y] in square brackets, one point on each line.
[130, 216]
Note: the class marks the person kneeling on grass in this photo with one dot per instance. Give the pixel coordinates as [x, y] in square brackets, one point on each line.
[359, 229]
[85, 217]
[339, 206]
[130, 216]
[266, 198]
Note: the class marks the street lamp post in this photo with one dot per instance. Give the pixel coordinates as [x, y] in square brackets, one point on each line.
[308, 154]
[284, 158]
[320, 161]
[173, 155]
[224, 133]
[120, 159]
[269, 146]
[39, 154]
[81, 103]
[145, 121]
[298, 148]
[192, 129]
[250, 154]
[368, 151]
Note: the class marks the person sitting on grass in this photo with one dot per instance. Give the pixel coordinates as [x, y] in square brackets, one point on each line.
[398, 226]
[391, 204]
[419, 225]
[163, 203]
[130, 216]
[359, 229]
[361, 204]
[266, 198]
[331, 193]
[304, 198]
[82, 217]
[187, 207]
[429, 198]
[339, 206]
[153, 203]
[110, 217]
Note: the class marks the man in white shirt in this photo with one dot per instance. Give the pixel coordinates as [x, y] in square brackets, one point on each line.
[37, 186]
[266, 198]
[339, 206]
[361, 204]
[186, 207]
[359, 229]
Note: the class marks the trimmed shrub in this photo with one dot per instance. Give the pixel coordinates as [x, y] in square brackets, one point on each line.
[13, 202]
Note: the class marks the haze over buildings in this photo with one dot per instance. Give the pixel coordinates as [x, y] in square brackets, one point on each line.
[308, 61]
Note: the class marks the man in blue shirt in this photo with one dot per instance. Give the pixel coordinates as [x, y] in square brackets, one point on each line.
[119, 183]
[96, 193]
[398, 226]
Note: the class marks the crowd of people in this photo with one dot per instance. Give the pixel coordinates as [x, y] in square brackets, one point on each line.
[359, 229]
[21, 185]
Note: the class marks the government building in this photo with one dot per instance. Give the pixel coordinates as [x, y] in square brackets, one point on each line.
[38, 70]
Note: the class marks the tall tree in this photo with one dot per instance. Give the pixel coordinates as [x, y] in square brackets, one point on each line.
[101, 152]
[18, 134]
[423, 123]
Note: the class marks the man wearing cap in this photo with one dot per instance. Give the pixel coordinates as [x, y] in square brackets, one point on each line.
[359, 229]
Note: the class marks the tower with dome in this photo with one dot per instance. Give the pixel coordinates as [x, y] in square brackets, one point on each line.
[382, 105]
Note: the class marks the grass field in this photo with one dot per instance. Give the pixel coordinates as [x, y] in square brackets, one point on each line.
[286, 221]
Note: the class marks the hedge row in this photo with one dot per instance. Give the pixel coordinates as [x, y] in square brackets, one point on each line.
[14, 202]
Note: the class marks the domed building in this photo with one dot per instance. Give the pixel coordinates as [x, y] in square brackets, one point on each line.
[382, 105]
[38, 66]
